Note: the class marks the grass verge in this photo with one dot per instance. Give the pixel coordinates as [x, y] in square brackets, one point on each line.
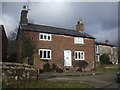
[47, 84]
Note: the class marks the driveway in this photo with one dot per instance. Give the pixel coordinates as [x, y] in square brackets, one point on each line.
[98, 80]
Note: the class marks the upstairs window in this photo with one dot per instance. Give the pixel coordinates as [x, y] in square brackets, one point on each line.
[44, 36]
[111, 50]
[78, 40]
[97, 49]
[79, 55]
[44, 53]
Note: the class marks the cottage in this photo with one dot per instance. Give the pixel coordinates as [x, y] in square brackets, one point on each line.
[106, 48]
[58, 46]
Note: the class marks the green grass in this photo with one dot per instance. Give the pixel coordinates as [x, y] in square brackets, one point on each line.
[112, 69]
[47, 84]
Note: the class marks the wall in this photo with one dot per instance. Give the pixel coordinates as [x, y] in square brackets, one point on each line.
[58, 44]
[16, 72]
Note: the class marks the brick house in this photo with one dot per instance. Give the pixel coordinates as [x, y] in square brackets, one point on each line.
[58, 46]
[106, 48]
[4, 44]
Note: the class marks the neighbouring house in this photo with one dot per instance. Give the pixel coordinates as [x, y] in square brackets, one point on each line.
[106, 48]
[54, 45]
[4, 44]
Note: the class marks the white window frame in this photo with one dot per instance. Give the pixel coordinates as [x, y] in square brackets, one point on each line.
[47, 35]
[98, 58]
[78, 40]
[97, 49]
[46, 53]
[111, 50]
[78, 55]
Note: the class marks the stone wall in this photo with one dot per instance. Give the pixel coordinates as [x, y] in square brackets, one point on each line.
[17, 72]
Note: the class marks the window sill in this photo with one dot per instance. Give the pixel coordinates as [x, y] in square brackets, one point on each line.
[79, 59]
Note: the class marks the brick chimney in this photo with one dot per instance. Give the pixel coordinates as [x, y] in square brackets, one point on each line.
[80, 26]
[107, 41]
[23, 18]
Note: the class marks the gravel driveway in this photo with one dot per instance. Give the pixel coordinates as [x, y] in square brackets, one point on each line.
[101, 80]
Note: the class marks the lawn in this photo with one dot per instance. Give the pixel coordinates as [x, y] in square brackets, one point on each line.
[47, 84]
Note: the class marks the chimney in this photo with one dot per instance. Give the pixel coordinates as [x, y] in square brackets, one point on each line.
[80, 26]
[23, 18]
[107, 41]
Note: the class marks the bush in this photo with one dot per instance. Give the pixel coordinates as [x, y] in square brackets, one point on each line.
[80, 64]
[59, 70]
[54, 67]
[104, 59]
[46, 67]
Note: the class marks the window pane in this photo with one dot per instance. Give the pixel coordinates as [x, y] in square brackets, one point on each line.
[49, 37]
[40, 54]
[44, 54]
[79, 55]
[48, 54]
[45, 37]
[41, 36]
[75, 55]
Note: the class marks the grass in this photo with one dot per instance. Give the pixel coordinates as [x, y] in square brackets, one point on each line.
[47, 84]
[112, 69]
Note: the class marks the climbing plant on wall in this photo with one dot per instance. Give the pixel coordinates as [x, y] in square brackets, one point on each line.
[27, 48]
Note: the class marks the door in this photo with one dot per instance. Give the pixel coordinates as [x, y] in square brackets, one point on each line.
[67, 58]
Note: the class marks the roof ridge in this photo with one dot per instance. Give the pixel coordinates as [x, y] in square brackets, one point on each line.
[52, 27]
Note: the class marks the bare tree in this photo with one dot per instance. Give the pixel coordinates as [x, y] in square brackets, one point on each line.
[12, 47]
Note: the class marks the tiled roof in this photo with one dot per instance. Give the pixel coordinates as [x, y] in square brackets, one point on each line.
[54, 30]
[101, 43]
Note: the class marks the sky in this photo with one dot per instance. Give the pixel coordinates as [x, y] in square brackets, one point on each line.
[100, 19]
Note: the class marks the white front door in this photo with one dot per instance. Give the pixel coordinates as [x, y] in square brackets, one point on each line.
[67, 58]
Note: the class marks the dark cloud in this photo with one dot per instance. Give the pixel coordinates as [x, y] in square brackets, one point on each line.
[100, 19]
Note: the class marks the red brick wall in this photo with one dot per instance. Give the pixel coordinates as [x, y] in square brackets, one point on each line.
[60, 43]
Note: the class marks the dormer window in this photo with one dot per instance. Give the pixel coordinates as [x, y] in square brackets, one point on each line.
[78, 40]
[45, 36]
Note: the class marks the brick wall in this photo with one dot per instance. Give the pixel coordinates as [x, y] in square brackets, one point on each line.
[58, 44]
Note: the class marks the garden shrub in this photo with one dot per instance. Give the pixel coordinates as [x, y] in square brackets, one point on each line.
[80, 64]
[46, 67]
[104, 59]
[59, 70]
[54, 67]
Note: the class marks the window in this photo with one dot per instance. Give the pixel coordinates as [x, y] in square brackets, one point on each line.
[111, 50]
[97, 58]
[44, 53]
[79, 55]
[78, 40]
[97, 49]
[44, 36]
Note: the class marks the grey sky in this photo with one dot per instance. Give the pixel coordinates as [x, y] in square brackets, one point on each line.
[100, 19]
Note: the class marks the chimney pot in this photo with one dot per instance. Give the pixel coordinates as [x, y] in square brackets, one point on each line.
[107, 41]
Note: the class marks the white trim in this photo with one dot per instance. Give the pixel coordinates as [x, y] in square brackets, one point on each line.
[47, 35]
[78, 55]
[78, 40]
[97, 58]
[43, 53]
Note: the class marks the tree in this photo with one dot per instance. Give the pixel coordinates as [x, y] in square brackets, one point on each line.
[104, 59]
[12, 45]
